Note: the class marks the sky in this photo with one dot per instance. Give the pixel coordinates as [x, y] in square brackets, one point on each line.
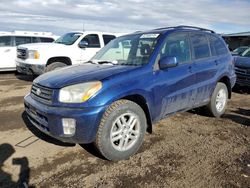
[61, 16]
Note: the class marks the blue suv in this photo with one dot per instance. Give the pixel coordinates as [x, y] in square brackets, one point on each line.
[131, 83]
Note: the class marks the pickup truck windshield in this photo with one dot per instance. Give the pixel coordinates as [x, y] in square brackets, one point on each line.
[68, 38]
[134, 50]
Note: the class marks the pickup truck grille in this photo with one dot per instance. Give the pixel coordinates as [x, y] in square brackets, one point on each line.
[22, 53]
[42, 94]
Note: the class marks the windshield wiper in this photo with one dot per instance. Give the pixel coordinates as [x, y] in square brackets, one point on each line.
[106, 62]
[129, 64]
[92, 62]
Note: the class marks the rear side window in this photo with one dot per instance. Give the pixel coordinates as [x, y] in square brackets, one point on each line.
[107, 38]
[35, 39]
[177, 45]
[5, 41]
[217, 46]
[200, 45]
[93, 41]
[45, 39]
[22, 40]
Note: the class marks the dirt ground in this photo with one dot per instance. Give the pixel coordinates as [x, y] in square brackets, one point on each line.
[185, 150]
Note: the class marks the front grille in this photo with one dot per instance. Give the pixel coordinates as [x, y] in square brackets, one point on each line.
[241, 72]
[41, 93]
[22, 53]
[38, 118]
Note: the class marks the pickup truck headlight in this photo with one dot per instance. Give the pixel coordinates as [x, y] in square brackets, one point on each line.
[34, 54]
[79, 93]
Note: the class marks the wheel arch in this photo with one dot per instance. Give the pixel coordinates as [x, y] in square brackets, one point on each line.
[62, 59]
[227, 82]
[141, 101]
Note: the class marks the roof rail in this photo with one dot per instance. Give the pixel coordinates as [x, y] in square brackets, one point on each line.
[187, 27]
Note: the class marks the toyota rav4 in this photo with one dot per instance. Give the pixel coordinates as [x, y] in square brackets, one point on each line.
[131, 83]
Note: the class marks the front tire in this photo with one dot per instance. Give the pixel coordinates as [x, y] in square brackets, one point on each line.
[218, 102]
[121, 131]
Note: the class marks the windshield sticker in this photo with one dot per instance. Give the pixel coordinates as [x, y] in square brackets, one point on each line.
[150, 35]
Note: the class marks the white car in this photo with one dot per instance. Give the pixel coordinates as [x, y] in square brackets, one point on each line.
[10, 40]
[72, 48]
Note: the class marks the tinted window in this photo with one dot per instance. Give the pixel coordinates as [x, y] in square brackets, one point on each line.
[22, 40]
[177, 45]
[44, 39]
[217, 46]
[5, 41]
[35, 39]
[200, 45]
[108, 38]
[93, 41]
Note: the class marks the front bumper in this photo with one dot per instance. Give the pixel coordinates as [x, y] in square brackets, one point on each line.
[30, 69]
[48, 119]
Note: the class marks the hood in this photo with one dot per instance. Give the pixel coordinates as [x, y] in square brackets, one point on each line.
[38, 46]
[80, 73]
[243, 62]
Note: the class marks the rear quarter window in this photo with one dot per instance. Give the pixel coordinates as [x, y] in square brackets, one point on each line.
[200, 45]
[217, 46]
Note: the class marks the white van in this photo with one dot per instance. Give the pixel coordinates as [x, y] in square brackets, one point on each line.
[10, 40]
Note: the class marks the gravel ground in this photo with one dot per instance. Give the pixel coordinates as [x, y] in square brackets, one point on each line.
[188, 149]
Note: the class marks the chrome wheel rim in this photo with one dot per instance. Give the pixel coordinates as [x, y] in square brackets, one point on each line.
[125, 131]
[221, 100]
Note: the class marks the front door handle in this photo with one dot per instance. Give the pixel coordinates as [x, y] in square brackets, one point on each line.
[7, 50]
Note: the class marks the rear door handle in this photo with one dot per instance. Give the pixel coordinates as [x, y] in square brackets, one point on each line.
[216, 62]
[7, 50]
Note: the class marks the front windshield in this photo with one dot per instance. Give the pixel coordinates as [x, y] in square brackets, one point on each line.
[240, 50]
[132, 49]
[246, 53]
[68, 38]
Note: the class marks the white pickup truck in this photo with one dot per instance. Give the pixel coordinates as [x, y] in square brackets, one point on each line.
[71, 48]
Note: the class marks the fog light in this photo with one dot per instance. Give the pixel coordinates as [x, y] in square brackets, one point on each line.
[69, 126]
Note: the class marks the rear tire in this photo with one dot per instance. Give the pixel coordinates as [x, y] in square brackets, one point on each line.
[121, 131]
[218, 102]
[54, 66]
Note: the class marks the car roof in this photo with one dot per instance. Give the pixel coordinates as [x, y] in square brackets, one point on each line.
[93, 32]
[163, 30]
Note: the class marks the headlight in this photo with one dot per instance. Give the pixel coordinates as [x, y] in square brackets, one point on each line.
[34, 54]
[80, 92]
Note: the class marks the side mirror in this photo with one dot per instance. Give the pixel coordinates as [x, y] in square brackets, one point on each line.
[83, 44]
[167, 62]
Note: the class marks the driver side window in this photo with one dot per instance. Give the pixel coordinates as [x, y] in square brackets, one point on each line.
[177, 45]
[92, 40]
